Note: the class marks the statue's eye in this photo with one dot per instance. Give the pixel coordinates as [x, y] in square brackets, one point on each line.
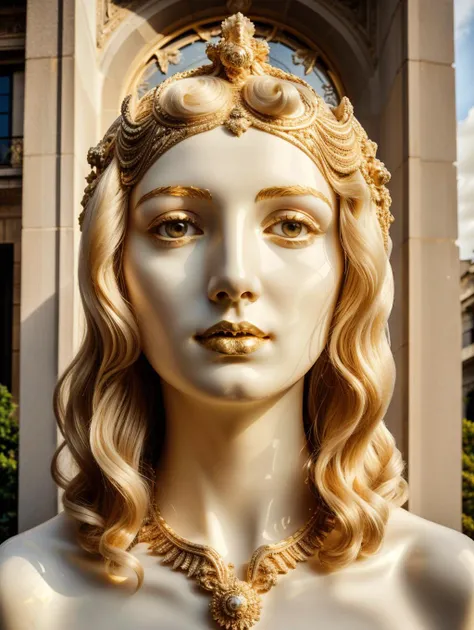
[175, 227]
[293, 227]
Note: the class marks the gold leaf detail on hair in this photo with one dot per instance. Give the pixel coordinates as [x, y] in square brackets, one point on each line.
[344, 111]
[238, 53]
[99, 157]
[237, 122]
[376, 176]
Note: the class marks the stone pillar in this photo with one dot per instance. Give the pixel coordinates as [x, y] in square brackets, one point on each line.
[434, 323]
[60, 124]
[418, 144]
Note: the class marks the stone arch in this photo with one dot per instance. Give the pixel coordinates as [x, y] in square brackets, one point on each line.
[319, 22]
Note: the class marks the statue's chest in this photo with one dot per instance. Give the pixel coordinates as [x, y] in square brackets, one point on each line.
[362, 599]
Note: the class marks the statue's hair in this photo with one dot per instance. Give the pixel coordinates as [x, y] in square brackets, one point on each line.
[108, 401]
[191, 97]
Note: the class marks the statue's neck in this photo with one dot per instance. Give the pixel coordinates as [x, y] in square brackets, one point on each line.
[232, 475]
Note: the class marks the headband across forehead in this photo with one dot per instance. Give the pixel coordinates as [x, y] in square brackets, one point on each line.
[239, 90]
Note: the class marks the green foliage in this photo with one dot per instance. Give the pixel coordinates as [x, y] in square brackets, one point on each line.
[8, 465]
[468, 477]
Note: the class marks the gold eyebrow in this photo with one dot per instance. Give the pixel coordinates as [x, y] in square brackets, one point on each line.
[290, 191]
[178, 191]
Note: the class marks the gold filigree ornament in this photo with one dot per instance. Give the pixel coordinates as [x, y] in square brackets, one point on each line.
[236, 604]
[239, 90]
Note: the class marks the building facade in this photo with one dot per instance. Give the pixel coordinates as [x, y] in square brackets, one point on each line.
[392, 58]
[12, 83]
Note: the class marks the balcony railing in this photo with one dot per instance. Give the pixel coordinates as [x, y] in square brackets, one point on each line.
[11, 152]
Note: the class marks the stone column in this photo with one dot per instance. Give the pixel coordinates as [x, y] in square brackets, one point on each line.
[434, 322]
[418, 144]
[60, 122]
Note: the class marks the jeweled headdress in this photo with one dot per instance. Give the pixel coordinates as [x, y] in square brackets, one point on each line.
[239, 89]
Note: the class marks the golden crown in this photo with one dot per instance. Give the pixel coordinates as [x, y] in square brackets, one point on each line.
[239, 89]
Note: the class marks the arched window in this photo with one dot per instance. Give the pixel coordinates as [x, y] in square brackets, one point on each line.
[185, 49]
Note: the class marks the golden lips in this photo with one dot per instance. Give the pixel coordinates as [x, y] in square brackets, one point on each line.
[232, 338]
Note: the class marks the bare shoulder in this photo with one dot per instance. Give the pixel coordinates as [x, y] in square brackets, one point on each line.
[437, 561]
[30, 569]
[38, 542]
[428, 535]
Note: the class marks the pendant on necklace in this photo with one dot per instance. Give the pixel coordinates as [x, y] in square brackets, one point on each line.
[235, 605]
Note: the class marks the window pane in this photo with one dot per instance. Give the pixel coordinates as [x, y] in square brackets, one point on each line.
[4, 103]
[4, 127]
[4, 152]
[5, 84]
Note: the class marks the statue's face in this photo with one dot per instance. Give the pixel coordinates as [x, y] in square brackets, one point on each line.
[234, 246]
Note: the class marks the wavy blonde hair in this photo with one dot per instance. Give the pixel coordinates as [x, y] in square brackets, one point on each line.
[108, 401]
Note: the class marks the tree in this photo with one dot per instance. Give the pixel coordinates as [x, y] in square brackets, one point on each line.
[468, 478]
[8, 465]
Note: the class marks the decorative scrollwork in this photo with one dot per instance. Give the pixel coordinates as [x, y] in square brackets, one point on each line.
[361, 13]
[305, 57]
[165, 56]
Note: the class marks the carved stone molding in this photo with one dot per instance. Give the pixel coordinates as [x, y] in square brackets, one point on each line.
[110, 14]
[362, 14]
[234, 6]
[165, 57]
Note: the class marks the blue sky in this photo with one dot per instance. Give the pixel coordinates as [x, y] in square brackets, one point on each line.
[464, 61]
[465, 68]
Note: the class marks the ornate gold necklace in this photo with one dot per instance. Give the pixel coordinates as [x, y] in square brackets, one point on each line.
[236, 604]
